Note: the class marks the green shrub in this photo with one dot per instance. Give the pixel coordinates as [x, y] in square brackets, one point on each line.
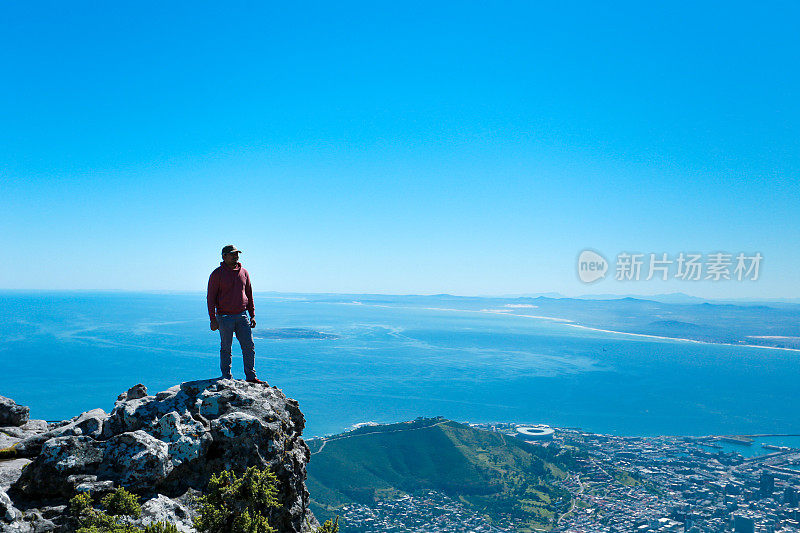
[329, 526]
[80, 504]
[89, 519]
[232, 504]
[235, 504]
[116, 528]
[238, 504]
[122, 502]
[103, 520]
[160, 527]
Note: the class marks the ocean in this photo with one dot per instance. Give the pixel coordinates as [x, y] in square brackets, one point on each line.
[349, 360]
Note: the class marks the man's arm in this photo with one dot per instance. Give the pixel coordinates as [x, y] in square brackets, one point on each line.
[211, 297]
[251, 308]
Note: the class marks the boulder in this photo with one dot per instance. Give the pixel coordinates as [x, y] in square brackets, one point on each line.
[167, 510]
[7, 440]
[10, 471]
[89, 423]
[135, 460]
[134, 393]
[12, 414]
[184, 435]
[28, 429]
[7, 511]
[30, 522]
[168, 445]
[12, 520]
[63, 463]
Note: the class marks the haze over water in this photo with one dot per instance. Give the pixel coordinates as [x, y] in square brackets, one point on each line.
[64, 353]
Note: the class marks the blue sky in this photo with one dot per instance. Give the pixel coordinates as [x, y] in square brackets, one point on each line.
[469, 148]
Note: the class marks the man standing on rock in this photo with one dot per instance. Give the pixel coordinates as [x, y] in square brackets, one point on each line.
[229, 296]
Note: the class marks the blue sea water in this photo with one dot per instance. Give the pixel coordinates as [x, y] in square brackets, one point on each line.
[63, 353]
[756, 448]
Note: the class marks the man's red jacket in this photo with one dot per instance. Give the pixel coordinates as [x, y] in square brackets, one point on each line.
[229, 291]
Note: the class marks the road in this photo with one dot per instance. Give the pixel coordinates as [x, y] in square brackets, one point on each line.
[339, 437]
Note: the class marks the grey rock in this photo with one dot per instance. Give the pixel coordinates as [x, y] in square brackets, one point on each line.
[93, 486]
[90, 423]
[134, 393]
[29, 429]
[12, 414]
[14, 431]
[132, 415]
[35, 426]
[12, 520]
[10, 471]
[7, 511]
[170, 444]
[184, 435]
[167, 510]
[16, 527]
[53, 472]
[30, 522]
[135, 460]
[7, 440]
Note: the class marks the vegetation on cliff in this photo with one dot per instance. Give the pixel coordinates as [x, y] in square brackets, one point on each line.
[232, 504]
[498, 476]
[111, 515]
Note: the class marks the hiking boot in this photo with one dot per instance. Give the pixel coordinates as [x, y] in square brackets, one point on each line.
[256, 381]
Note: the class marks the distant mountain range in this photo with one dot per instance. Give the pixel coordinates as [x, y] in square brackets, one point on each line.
[773, 324]
[671, 297]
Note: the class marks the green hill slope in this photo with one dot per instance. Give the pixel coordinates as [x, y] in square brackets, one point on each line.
[501, 477]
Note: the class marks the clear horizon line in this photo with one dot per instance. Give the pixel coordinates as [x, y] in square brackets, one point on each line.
[547, 294]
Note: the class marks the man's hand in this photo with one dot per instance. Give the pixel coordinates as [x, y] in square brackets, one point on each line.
[252, 321]
[214, 325]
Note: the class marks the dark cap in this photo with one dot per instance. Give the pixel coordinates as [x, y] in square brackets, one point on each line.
[229, 249]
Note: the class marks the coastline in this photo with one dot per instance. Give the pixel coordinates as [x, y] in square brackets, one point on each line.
[679, 339]
[572, 323]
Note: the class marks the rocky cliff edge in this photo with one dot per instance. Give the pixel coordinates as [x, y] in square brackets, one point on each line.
[163, 447]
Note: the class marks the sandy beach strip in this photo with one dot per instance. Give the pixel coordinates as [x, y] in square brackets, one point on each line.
[679, 339]
[571, 323]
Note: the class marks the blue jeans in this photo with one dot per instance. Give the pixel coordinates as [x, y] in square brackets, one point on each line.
[239, 324]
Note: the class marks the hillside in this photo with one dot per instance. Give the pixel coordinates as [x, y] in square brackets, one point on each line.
[501, 477]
